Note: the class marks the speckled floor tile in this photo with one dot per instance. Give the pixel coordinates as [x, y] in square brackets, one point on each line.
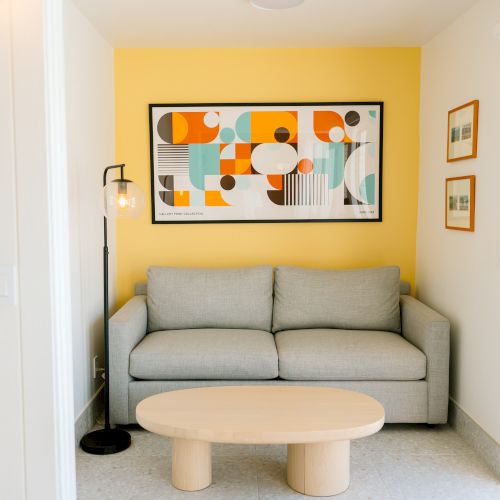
[148, 444]
[123, 477]
[437, 477]
[418, 439]
[273, 450]
[233, 450]
[366, 482]
[400, 462]
[134, 478]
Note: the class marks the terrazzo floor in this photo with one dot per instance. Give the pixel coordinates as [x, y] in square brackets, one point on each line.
[401, 462]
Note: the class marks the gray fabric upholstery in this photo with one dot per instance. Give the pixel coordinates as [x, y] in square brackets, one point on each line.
[126, 328]
[403, 401]
[210, 298]
[430, 332]
[347, 355]
[141, 288]
[360, 299]
[404, 288]
[205, 354]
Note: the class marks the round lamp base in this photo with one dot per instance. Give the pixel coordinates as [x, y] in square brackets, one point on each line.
[105, 441]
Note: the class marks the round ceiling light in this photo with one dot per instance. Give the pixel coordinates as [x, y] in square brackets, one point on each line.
[275, 4]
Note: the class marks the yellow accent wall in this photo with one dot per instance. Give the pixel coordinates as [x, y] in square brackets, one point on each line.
[392, 75]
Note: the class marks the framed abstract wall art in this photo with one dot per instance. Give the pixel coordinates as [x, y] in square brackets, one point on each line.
[266, 162]
[462, 132]
[460, 202]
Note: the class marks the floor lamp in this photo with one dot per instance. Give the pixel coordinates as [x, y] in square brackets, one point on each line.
[122, 198]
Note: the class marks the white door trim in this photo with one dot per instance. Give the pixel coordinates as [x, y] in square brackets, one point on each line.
[59, 248]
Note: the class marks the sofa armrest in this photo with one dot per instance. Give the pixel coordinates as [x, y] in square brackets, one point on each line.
[430, 332]
[126, 329]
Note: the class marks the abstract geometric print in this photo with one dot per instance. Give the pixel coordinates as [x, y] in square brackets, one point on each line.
[266, 162]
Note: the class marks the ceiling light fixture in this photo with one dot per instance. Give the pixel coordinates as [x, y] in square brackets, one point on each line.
[275, 4]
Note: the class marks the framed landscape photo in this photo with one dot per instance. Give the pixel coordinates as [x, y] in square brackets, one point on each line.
[266, 162]
[462, 132]
[460, 202]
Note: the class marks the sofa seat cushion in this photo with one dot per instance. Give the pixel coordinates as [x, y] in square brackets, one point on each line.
[323, 354]
[205, 354]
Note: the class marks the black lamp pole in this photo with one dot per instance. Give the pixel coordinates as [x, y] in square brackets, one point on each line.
[106, 441]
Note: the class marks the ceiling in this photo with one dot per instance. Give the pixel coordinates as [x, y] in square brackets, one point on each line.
[235, 23]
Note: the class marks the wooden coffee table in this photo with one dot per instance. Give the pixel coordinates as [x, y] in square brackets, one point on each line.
[317, 423]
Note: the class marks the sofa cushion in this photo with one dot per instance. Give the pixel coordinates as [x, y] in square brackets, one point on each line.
[348, 355]
[180, 298]
[205, 354]
[360, 299]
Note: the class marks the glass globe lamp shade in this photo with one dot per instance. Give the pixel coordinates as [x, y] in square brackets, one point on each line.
[123, 198]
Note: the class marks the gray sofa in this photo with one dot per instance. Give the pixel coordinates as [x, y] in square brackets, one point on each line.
[353, 329]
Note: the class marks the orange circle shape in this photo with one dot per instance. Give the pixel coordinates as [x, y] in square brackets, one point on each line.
[305, 166]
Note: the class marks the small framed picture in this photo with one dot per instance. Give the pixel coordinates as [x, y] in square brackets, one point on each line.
[460, 199]
[462, 132]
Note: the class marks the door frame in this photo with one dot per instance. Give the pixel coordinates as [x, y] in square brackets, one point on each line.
[42, 227]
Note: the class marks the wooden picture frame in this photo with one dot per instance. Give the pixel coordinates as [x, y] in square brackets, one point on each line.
[460, 203]
[462, 132]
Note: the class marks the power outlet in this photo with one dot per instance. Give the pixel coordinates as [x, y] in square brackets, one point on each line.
[94, 367]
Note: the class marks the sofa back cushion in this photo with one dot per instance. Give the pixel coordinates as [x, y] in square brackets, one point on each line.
[358, 299]
[181, 298]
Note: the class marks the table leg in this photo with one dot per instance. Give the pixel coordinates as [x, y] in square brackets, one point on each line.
[319, 469]
[191, 464]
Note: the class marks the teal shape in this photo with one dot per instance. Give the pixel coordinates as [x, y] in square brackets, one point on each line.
[204, 159]
[227, 135]
[367, 189]
[243, 127]
[331, 163]
[320, 158]
[197, 198]
[372, 113]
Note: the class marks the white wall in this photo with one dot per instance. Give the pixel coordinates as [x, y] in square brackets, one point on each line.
[11, 429]
[458, 273]
[91, 143]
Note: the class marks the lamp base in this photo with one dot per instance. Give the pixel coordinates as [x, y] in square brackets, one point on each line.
[105, 441]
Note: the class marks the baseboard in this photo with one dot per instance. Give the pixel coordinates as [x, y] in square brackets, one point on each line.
[88, 416]
[475, 436]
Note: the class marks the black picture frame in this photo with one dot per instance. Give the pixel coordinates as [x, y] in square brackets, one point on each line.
[380, 104]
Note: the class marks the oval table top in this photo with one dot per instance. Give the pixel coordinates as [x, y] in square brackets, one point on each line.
[261, 414]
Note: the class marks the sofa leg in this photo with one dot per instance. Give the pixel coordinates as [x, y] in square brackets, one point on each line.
[430, 426]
